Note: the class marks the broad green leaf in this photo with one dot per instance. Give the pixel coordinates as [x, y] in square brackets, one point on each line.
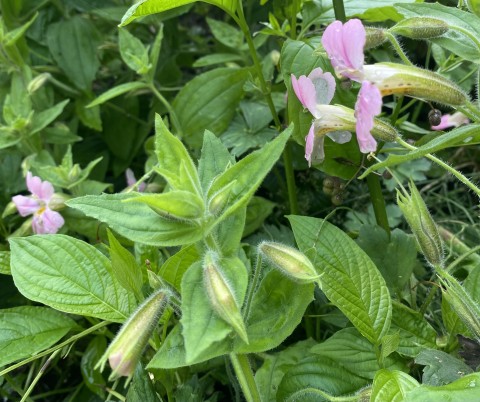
[141, 388]
[92, 378]
[174, 162]
[202, 327]
[352, 351]
[148, 7]
[230, 232]
[173, 204]
[246, 175]
[73, 45]
[450, 139]
[216, 58]
[15, 34]
[117, 91]
[68, 275]
[5, 262]
[27, 330]
[226, 34]
[137, 222]
[277, 309]
[258, 210]
[133, 52]
[90, 117]
[440, 367]
[42, 119]
[458, 43]
[214, 160]
[348, 278]
[462, 390]
[124, 266]
[415, 332]
[472, 283]
[174, 268]
[315, 378]
[392, 386]
[209, 102]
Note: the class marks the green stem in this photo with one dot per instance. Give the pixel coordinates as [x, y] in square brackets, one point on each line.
[253, 286]
[378, 202]
[289, 175]
[293, 22]
[171, 112]
[471, 111]
[339, 10]
[448, 168]
[56, 347]
[398, 48]
[396, 111]
[245, 377]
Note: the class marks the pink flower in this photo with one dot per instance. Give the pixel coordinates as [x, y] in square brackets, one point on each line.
[344, 45]
[312, 91]
[451, 120]
[369, 104]
[44, 219]
[132, 181]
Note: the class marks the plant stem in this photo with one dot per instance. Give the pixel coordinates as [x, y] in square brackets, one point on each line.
[171, 112]
[289, 175]
[253, 286]
[378, 202]
[339, 10]
[245, 377]
[398, 48]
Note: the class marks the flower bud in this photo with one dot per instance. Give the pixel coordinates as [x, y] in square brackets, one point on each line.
[126, 349]
[375, 37]
[422, 225]
[420, 28]
[38, 82]
[221, 296]
[219, 200]
[290, 261]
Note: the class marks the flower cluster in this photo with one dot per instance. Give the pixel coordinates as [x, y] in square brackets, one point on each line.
[45, 220]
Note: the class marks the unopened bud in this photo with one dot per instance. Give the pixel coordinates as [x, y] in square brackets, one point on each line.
[422, 225]
[221, 296]
[375, 37]
[57, 202]
[219, 200]
[38, 82]
[290, 261]
[126, 349]
[420, 28]
[74, 173]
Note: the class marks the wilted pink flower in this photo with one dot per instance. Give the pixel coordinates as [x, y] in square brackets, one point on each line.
[44, 219]
[369, 104]
[451, 120]
[131, 180]
[312, 91]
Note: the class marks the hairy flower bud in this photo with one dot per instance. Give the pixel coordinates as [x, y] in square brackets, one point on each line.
[126, 349]
[219, 200]
[375, 37]
[420, 28]
[290, 261]
[422, 225]
[221, 296]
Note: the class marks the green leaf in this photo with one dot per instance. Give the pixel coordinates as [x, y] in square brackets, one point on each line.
[155, 53]
[216, 58]
[90, 117]
[452, 40]
[226, 34]
[14, 35]
[92, 378]
[392, 386]
[73, 44]
[464, 389]
[316, 377]
[5, 262]
[133, 52]
[27, 330]
[258, 210]
[348, 278]
[68, 275]
[354, 353]
[148, 7]
[141, 389]
[137, 222]
[42, 119]
[209, 102]
[174, 162]
[415, 332]
[124, 266]
[174, 268]
[117, 91]
[440, 367]
[246, 175]
[230, 232]
[202, 327]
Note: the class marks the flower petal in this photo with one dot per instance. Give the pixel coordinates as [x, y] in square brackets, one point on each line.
[353, 40]
[42, 189]
[369, 104]
[305, 91]
[454, 120]
[25, 205]
[47, 222]
[340, 137]
[324, 84]
[309, 139]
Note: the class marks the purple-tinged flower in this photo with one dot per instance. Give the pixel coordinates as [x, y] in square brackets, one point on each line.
[369, 104]
[38, 203]
[314, 91]
[344, 45]
[132, 181]
[451, 120]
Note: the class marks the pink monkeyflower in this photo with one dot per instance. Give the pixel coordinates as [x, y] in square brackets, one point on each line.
[312, 91]
[369, 104]
[451, 120]
[38, 204]
[132, 181]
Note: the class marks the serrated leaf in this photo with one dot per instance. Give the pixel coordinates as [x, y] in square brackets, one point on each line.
[348, 278]
[27, 330]
[392, 386]
[209, 102]
[148, 7]
[137, 222]
[68, 275]
[116, 91]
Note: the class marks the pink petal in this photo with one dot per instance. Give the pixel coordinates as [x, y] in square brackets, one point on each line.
[309, 139]
[131, 180]
[47, 222]
[25, 205]
[42, 189]
[340, 137]
[353, 40]
[305, 91]
[324, 85]
[454, 120]
[369, 104]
